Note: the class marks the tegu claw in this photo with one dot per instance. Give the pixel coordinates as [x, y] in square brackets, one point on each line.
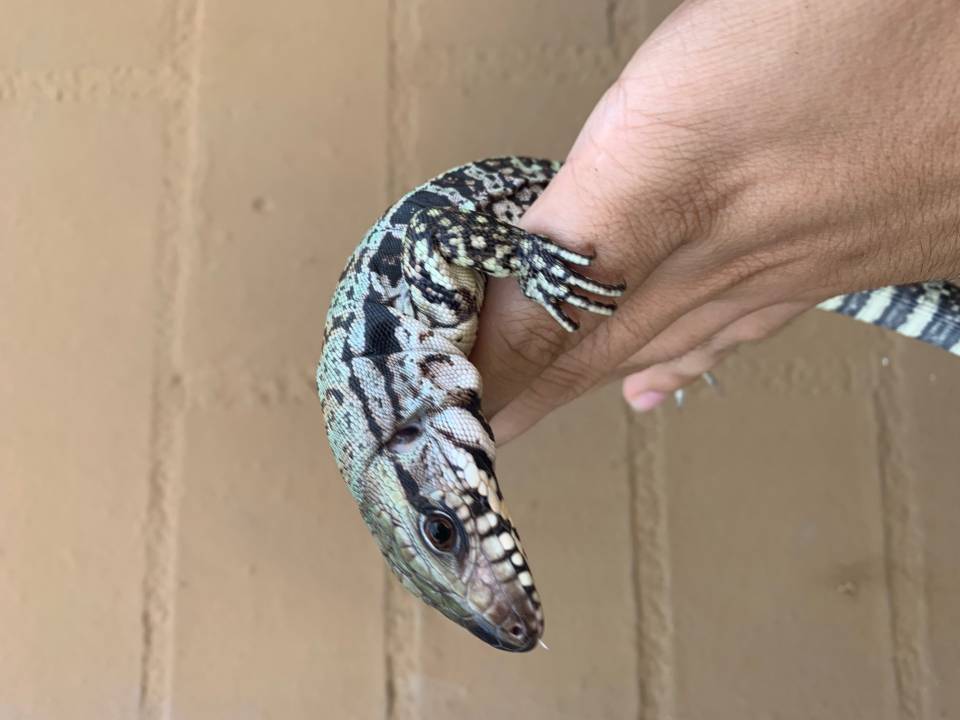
[546, 279]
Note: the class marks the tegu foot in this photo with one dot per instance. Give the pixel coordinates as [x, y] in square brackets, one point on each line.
[483, 242]
[547, 279]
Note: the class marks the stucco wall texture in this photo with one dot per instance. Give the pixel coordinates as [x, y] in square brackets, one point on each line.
[182, 182]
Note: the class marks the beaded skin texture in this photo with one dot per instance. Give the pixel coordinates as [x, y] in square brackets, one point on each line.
[401, 401]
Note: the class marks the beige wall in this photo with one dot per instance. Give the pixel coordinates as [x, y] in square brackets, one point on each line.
[181, 183]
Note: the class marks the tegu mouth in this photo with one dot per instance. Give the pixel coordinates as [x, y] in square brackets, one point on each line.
[516, 635]
[506, 614]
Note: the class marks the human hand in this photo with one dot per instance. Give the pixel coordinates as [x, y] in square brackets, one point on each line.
[752, 160]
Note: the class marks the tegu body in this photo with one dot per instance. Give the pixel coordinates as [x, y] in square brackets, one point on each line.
[402, 403]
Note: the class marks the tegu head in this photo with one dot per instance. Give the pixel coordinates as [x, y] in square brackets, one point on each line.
[418, 456]
[434, 506]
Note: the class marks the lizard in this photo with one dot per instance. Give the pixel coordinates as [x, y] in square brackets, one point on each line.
[402, 403]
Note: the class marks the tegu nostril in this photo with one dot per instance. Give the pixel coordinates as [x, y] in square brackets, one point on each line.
[519, 636]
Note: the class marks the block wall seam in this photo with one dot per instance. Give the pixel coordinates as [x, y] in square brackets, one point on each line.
[402, 613]
[651, 568]
[179, 217]
[904, 567]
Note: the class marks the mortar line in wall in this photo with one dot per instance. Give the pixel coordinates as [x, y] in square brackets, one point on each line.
[650, 567]
[389, 671]
[122, 83]
[390, 152]
[179, 217]
[401, 613]
[635, 583]
[903, 540]
[610, 18]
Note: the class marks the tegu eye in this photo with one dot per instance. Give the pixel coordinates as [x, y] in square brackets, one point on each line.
[405, 436]
[438, 530]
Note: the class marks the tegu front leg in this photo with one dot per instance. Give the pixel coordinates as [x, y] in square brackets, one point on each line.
[445, 248]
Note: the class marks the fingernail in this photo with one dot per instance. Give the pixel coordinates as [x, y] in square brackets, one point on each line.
[646, 400]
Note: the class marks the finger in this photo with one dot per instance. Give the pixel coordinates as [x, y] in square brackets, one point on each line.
[659, 355]
[602, 353]
[647, 313]
[649, 387]
[688, 333]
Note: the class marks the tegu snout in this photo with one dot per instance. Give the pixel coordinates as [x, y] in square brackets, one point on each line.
[459, 550]
[501, 588]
